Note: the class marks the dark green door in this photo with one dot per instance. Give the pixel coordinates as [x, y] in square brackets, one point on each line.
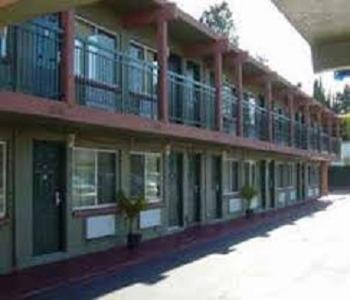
[194, 188]
[263, 183]
[48, 197]
[175, 190]
[216, 185]
[272, 184]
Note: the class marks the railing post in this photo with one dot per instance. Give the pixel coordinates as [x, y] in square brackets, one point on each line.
[239, 62]
[162, 57]
[67, 67]
[291, 117]
[218, 89]
[319, 134]
[268, 99]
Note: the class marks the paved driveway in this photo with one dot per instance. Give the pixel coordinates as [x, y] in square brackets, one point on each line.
[308, 258]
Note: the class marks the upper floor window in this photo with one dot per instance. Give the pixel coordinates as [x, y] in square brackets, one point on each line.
[2, 179]
[94, 178]
[143, 70]
[96, 56]
[145, 176]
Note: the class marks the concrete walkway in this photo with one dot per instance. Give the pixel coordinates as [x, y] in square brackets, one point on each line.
[303, 256]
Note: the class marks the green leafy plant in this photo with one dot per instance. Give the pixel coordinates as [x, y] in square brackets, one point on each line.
[248, 193]
[131, 208]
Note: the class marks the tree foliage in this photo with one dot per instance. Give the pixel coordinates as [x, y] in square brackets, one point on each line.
[320, 93]
[342, 101]
[219, 18]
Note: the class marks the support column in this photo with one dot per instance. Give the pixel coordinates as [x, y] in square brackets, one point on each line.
[67, 68]
[268, 99]
[292, 119]
[324, 178]
[162, 57]
[239, 62]
[319, 124]
[330, 134]
[218, 91]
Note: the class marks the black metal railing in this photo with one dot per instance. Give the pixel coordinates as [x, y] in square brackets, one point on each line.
[30, 59]
[325, 142]
[255, 121]
[301, 134]
[314, 134]
[281, 129]
[229, 110]
[191, 102]
[100, 74]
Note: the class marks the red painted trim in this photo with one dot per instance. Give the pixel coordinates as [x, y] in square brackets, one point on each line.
[21, 105]
[268, 98]
[240, 94]
[67, 69]
[167, 12]
[218, 89]
[162, 56]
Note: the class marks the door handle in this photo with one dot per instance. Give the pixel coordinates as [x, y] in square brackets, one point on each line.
[57, 199]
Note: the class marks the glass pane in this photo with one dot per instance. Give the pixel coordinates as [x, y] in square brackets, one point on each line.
[136, 72]
[234, 178]
[106, 178]
[153, 179]
[84, 181]
[137, 177]
[3, 42]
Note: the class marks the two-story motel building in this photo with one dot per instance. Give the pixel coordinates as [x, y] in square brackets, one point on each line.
[140, 97]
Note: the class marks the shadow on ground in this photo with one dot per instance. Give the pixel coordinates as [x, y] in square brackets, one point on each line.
[154, 271]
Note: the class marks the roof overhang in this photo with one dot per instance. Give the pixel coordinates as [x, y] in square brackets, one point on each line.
[13, 11]
[325, 25]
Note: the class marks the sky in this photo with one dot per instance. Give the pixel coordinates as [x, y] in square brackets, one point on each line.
[264, 31]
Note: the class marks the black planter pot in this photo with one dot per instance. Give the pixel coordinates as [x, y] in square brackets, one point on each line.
[249, 213]
[134, 240]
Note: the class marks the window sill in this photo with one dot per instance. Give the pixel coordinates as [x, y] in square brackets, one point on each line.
[92, 212]
[4, 221]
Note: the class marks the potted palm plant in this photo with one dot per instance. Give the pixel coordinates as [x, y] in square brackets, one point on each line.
[131, 207]
[248, 193]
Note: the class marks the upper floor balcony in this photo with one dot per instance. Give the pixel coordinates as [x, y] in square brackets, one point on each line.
[125, 79]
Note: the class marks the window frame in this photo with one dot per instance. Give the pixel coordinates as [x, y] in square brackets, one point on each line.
[157, 155]
[230, 161]
[146, 51]
[95, 29]
[116, 168]
[4, 174]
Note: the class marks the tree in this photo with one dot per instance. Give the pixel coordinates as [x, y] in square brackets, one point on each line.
[319, 92]
[219, 18]
[343, 101]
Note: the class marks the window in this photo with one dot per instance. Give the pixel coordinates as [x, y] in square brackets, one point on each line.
[145, 176]
[95, 53]
[3, 42]
[2, 179]
[94, 178]
[232, 176]
[143, 75]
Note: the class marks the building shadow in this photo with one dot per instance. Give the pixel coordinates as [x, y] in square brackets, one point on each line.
[155, 270]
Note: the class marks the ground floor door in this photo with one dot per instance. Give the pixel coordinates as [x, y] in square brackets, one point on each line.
[48, 197]
[216, 193]
[194, 188]
[272, 184]
[303, 182]
[263, 183]
[299, 182]
[175, 209]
